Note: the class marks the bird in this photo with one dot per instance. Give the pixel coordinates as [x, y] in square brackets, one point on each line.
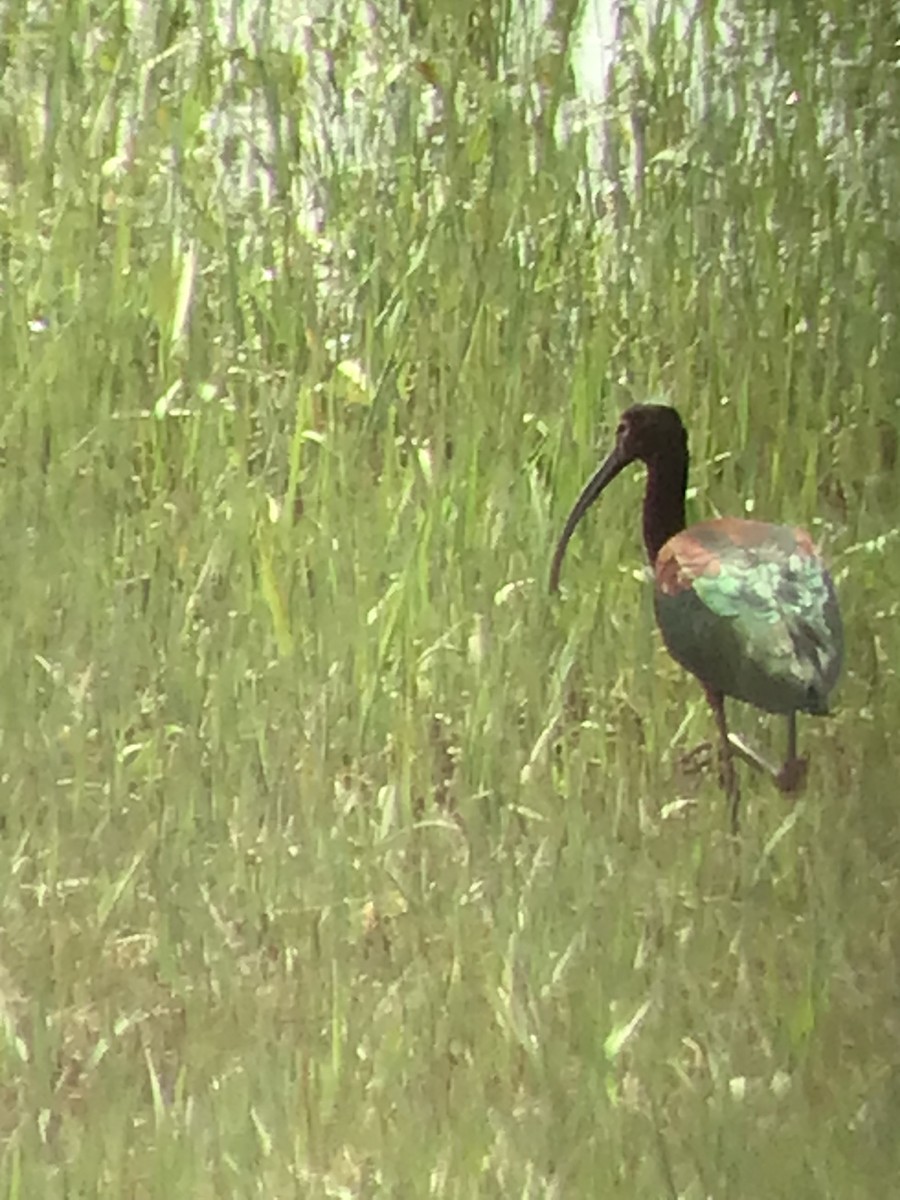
[747, 607]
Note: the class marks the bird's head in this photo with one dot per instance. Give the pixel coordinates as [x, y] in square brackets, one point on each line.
[647, 433]
[644, 432]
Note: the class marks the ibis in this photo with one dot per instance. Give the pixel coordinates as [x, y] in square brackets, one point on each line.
[747, 607]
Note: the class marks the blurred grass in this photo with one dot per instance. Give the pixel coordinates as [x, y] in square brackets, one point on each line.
[337, 860]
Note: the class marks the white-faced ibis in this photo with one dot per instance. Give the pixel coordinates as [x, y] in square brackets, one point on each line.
[748, 608]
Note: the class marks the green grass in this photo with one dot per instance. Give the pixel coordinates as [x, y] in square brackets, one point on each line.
[337, 859]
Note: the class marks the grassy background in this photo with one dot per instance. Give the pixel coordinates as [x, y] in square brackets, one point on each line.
[336, 859]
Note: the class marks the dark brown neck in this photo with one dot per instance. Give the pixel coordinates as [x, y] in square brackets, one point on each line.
[664, 500]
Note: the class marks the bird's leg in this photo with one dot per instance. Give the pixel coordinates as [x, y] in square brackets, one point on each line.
[792, 776]
[726, 758]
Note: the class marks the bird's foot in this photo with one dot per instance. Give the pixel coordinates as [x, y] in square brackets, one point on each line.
[751, 755]
[701, 759]
[698, 759]
[791, 779]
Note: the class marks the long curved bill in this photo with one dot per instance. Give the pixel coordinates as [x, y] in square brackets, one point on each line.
[598, 481]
